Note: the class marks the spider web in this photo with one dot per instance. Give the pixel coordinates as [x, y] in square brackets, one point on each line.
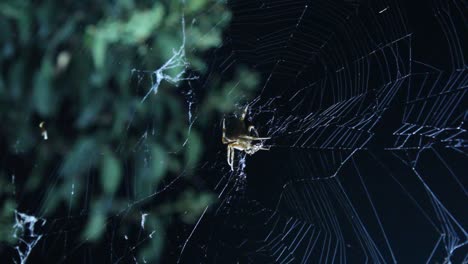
[342, 82]
[368, 143]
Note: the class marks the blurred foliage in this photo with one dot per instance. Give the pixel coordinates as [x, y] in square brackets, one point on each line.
[69, 63]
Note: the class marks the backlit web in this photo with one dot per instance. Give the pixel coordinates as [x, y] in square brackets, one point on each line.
[365, 104]
[365, 129]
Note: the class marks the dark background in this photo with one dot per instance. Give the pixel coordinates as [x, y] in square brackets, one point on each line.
[294, 48]
[289, 61]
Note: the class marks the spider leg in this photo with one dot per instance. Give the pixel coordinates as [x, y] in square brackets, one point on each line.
[231, 156]
[225, 139]
[254, 138]
[252, 129]
[244, 113]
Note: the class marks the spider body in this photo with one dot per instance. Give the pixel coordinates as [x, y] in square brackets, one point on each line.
[243, 137]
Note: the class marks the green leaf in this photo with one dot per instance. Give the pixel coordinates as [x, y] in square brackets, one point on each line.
[194, 149]
[195, 204]
[52, 202]
[151, 252]
[195, 6]
[95, 226]
[98, 50]
[80, 158]
[111, 173]
[15, 83]
[63, 34]
[166, 42]
[7, 209]
[43, 96]
[140, 26]
[144, 23]
[159, 163]
[90, 112]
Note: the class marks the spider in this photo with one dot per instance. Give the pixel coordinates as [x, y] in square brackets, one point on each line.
[242, 138]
